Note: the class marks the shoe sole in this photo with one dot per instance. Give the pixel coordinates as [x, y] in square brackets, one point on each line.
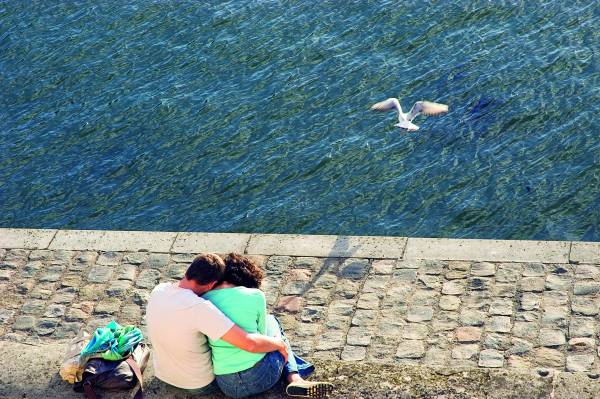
[315, 390]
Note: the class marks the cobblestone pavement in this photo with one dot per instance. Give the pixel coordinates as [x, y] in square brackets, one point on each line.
[474, 314]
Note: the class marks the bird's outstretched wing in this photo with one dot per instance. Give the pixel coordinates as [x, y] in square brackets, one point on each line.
[426, 108]
[387, 105]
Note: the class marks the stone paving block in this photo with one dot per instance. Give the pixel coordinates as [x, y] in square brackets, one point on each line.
[289, 304]
[585, 306]
[126, 271]
[500, 324]
[468, 334]
[496, 341]
[533, 270]
[508, 272]
[6, 274]
[383, 267]
[491, 358]
[586, 287]
[24, 323]
[137, 258]
[470, 317]
[130, 314]
[109, 258]
[532, 284]
[71, 280]
[158, 261]
[555, 298]
[55, 311]
[547, 357]
[503, 290]
[33, 306]
[368, 301]
[501, 307]
[587, 272]
[108, 306]
[409, 263]
[411, 349]
[359, 336]
[76, 315]
[148, 278]
[278, 264]
[479, 283]
[313, 313]
[557, 283]
[432, 267]
[424, 298]
[483, 269]
[330, 340]
[579, 363]
[582, 345]
[556, 316]
[529, 301]
[100, 274]
[430, 282]
[448, 302]
[519, 346]
[317, 296]
[119, 288]
[46, 326]
[364, 318]
[354, 269]
[417, 314]
[347, 289]
[51, 274]
[405, 275]
[465, 352]
[453, 287]
[582, 327]
[415, 331]
[445, 321]
[6, 315]
[551, 337]
[376, 284]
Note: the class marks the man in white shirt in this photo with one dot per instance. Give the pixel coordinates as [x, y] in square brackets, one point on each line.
[179, 320]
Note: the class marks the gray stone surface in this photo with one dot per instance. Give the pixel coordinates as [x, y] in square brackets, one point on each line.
[498, 311]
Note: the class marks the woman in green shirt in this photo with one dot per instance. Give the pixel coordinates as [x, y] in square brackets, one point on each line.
[240, 373]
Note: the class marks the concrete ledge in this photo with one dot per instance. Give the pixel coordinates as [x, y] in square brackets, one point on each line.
[327, 246]
[97, 240]
[221, 243]
[585, 252]
[26, 238]
[487, 250]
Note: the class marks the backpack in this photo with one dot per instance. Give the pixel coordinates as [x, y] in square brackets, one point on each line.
[112, 375]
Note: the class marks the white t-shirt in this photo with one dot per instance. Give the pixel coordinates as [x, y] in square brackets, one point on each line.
[178, 321]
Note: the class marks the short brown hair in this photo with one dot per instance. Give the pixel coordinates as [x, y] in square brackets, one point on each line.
[206, 268]
[240, 270]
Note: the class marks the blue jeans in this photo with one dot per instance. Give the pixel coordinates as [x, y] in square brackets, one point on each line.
[267, 371]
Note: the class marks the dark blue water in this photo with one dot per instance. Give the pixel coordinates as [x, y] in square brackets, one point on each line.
[253, 116]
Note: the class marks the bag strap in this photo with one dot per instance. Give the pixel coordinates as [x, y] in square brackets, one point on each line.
[138, 373]
[89, 392]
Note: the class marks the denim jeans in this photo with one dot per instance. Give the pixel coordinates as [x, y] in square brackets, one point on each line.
[267, 371]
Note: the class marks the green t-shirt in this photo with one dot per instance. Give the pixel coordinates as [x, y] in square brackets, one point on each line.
[247, 308]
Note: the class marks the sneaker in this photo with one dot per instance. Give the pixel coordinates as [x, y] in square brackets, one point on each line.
[309, 389]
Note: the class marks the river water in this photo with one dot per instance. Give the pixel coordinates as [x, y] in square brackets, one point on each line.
[253, 116]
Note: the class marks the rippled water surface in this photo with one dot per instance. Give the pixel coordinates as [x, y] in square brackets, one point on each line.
[253, 116]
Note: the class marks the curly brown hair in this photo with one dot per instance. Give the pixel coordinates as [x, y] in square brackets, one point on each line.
[240, 270]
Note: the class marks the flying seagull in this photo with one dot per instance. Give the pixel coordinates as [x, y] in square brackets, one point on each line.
[405, 120]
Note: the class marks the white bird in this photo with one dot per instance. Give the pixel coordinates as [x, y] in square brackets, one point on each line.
[405, 120]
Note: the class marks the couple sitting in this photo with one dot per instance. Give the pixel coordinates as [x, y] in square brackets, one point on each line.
[221, 300]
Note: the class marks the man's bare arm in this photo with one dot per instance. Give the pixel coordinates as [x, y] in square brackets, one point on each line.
[256, 343]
